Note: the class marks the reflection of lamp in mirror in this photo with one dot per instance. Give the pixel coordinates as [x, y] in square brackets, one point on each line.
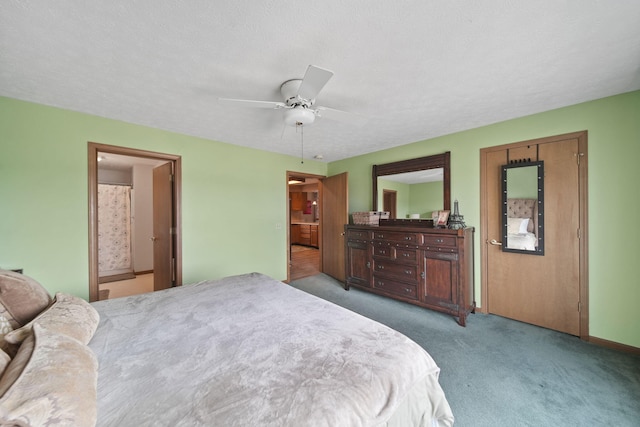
[315, 207]
[456, 221]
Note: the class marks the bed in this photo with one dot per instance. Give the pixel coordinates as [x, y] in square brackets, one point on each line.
[248, 350]
[522, 224]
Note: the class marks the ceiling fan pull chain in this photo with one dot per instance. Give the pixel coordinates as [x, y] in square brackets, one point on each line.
[301, 143]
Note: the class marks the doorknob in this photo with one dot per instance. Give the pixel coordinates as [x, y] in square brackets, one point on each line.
[495, 242]
[153, 239]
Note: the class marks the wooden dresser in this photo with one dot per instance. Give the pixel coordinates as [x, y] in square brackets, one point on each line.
[429, 267]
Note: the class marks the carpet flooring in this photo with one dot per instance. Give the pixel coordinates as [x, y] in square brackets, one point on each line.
[500, 372]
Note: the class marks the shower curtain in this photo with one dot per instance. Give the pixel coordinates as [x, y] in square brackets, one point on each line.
[114, 230]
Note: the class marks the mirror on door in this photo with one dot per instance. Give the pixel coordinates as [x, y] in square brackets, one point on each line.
[523, 207]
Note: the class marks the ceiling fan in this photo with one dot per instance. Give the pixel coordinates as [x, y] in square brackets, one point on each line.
[299, 99]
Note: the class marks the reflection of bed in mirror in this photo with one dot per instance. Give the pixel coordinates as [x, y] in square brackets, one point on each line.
[522, 224]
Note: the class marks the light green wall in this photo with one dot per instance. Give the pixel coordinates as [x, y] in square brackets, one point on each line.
[232, 197]
[426, 198]
[413, 198]
[402, 196]
[522, 182]
[613, 126]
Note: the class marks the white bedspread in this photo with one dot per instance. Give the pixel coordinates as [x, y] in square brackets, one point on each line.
[251, 351]
[526, 241]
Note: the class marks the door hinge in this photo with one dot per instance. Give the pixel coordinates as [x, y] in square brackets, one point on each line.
[579, 306]
[171, 177]
[172, 230]
[579, 233]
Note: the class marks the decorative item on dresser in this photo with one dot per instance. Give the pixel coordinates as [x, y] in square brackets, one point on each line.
[429, 267]
[456, 220]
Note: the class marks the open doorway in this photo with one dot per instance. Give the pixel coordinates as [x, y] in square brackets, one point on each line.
[304, 225]
[390, 202]
[134, 221]
[332, 211]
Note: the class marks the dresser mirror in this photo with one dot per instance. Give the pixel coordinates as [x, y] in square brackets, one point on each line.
[412, 189]
[523, 208]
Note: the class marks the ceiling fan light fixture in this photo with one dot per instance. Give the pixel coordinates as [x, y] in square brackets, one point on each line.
[299, 116]
[296, 180]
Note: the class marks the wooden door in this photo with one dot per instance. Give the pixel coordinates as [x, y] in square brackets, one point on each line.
[335, 214]
[541, 290]
[163, 258]
[441, 279]
[389, 202]
[358, 264]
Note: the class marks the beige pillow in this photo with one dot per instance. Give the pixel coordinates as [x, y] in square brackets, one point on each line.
[517, 225]
[21, 298]
[5, 328]
[51, 381]
[4, 361]
[67, 315]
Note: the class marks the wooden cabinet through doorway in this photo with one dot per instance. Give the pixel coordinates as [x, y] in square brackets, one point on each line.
[298, 201]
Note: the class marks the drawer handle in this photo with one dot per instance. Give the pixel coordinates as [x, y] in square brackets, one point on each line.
[439, 240]
[380, 284]
[380, 267]
[408, 238]
[406, 255]
[368, 264]
[407, 290]
[407, 272]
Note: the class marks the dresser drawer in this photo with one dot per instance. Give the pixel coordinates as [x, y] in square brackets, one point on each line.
[358, 235]
[403, 255]
[395, 236]
[383, 250]
[396, 288]
[409, 256]
[396, 270]
[439, 241]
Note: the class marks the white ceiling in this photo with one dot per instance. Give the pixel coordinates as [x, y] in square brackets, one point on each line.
[117, 161]
[414, 69]
[416, 177]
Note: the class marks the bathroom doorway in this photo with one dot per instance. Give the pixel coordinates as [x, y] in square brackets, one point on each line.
[152, 238]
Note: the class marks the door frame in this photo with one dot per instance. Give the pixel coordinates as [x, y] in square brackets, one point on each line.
[392, 196]
[288, 175]
[93, 148]
[583, 268]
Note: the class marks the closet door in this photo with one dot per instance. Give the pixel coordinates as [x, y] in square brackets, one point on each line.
[541, 290]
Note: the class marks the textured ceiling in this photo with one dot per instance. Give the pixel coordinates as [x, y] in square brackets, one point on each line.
[413, 69]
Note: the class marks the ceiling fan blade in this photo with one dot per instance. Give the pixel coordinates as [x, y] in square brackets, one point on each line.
[313, 81]
[341, 116]
[251, 103]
